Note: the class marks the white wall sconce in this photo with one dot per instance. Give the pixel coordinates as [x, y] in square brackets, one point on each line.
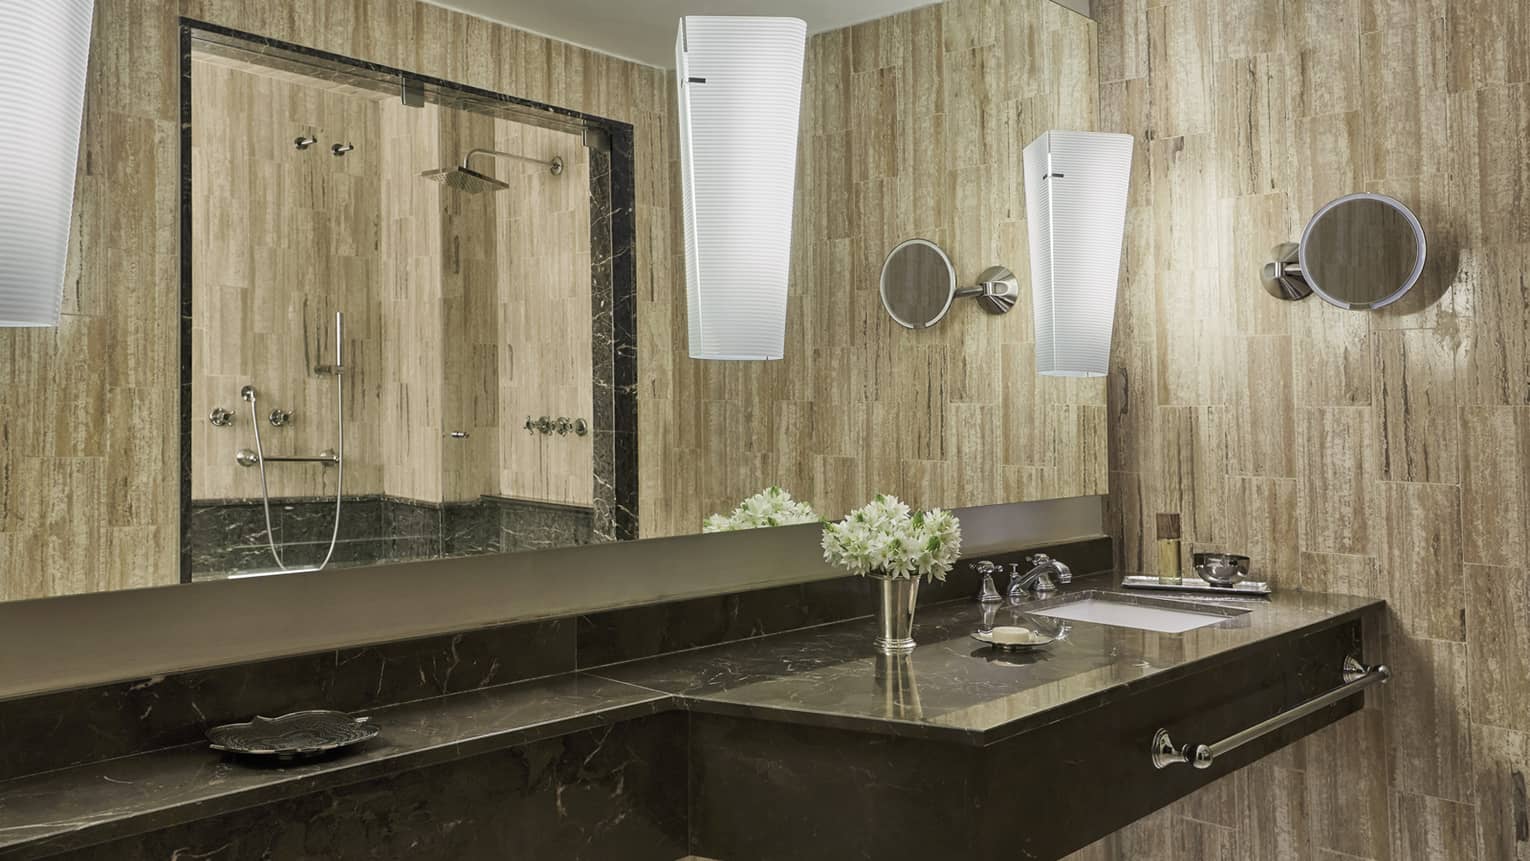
[44, 49]
[1075, 202]
[740, 85]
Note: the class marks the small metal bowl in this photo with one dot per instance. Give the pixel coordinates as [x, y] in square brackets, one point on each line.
[1221, 569]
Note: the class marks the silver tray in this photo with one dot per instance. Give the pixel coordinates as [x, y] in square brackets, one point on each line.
[1192, 583]
[293, 736]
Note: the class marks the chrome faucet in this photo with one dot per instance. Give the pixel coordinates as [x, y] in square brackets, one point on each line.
[1036, 581]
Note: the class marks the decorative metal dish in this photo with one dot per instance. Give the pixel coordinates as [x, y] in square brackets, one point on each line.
[1221, 569]
[1246, 588]
[996, 638]
[293, 736]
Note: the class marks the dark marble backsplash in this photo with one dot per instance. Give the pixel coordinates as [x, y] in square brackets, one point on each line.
[613, 792]
[229, 536]
[57, 730]
[61, 729]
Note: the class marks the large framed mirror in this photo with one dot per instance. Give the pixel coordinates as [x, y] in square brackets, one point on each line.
[463, 285]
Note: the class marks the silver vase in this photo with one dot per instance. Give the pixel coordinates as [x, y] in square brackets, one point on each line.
[895, 613]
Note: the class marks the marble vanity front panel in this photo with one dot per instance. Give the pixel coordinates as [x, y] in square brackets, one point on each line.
[616, 792]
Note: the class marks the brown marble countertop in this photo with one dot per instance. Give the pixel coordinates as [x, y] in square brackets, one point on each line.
[952, 689]
[956, 689]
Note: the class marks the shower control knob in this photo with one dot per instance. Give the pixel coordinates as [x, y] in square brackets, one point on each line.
[280, 418]
[246, 458]
[564, 425]
[581, 427]
[544, 425]
[220, 417]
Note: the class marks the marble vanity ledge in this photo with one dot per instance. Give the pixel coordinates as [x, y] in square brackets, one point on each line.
[953, 690]
[71, 808]
[68, 728]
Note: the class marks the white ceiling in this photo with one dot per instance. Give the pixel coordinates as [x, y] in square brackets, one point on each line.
[644, 30]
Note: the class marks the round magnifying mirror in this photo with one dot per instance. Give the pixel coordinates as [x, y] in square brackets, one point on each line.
[918, 284]
[1361, 251]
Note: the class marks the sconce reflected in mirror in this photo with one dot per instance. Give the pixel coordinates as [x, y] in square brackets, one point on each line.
[919, 285]
[1359, 252]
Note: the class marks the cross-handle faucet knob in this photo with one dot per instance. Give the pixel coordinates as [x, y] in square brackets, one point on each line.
[988, 593]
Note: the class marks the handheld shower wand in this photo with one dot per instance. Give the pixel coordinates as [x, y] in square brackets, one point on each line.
[258, 458]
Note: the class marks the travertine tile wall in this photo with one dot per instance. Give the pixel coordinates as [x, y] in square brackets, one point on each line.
[282, 239]
[410, 295]
[544, 309]
[912, 126]
[467, 341]
[1380, 453]
[89, 472]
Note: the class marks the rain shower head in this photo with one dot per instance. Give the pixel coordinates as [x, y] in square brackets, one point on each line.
[465, 179]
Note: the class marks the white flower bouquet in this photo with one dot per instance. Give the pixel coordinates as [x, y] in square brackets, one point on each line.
[885, 539]
[770, 507]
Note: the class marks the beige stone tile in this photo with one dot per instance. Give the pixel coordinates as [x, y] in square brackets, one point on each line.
[1427, 700]
[1415, 392]
[1337, 363]
[1201, 841]
[1493, 487]
[1130, 517]
[1184, 174]
[1433, 829]
[1503, 135]
[1341, 574]
[1502, 761]
[1216, 803]
[1337, 455]
[1422, 559]
[1151, 838]
[1123, 31]
[1404, 100]
[1179, 44]
[1324, 50]
[1488, 43]
[1498, 642]
[1262, 420]
[1272, 822]
[1346, 793]
[1253, 122]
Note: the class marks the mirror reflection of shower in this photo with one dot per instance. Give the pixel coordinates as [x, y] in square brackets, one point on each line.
[328, 457]
[464, 178]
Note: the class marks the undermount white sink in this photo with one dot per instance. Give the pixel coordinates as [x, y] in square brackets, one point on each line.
[1164, 619]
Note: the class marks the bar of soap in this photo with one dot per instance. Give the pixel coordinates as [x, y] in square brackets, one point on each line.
[1013, 635]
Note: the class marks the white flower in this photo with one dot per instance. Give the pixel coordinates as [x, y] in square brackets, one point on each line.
[884, 537]
[770, 507]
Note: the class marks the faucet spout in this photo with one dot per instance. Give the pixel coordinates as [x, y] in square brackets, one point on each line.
[1037, 581]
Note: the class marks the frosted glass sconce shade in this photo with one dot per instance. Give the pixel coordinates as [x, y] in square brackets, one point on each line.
[740, 84]
[44, 47]
[1075, 203]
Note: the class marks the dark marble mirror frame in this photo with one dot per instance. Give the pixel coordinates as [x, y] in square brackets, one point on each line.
[612, 263]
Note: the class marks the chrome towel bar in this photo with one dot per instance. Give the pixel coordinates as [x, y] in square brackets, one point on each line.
[1357, 678]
